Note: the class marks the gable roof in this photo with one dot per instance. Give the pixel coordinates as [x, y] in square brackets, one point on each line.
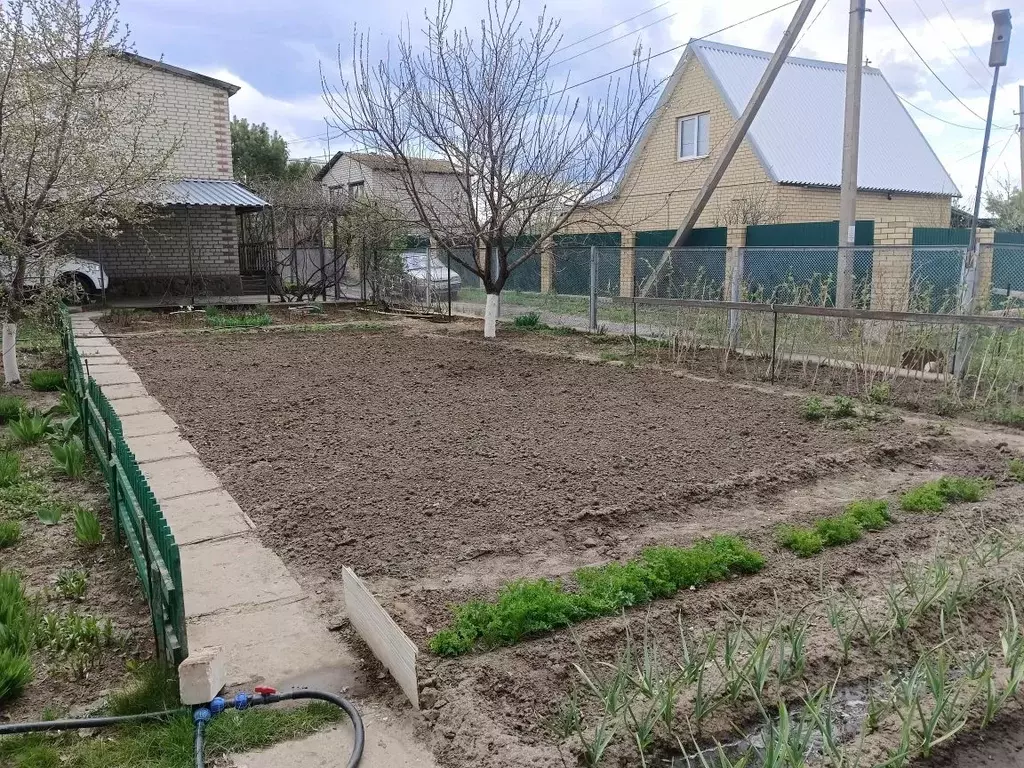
[385, 163]
[213, 82]
[798, 132]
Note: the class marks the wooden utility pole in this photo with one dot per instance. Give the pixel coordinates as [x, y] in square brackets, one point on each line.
[733, 140]
[851, 147]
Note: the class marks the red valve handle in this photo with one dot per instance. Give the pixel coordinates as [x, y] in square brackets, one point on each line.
[265, 690]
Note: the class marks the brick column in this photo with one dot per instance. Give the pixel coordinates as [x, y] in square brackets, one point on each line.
[547, 266]
[735, 240]
[627, 263]
[891, 264]
[986, 246]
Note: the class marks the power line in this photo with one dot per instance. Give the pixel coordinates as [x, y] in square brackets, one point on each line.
[1000, 155]
[909, 103]
[961, 31]
[613, 40]
[613, 26]
[929, 66]
[808, 27]
[951, 52]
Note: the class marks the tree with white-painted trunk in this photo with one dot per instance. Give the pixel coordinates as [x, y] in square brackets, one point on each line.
[75, 161]
[525, 150]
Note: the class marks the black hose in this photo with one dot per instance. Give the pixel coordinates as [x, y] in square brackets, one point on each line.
[358, 734]
[200, 744]
[87, 722]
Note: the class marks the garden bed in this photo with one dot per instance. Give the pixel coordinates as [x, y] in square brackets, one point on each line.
[442, 468]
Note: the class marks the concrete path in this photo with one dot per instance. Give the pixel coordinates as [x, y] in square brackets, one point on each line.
[238, 593]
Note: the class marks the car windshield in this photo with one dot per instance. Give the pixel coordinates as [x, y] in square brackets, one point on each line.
[419, 261]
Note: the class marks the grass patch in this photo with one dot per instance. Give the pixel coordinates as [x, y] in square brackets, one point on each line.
[1016, 470]
[16, 626]
[10, 408]
[87, 527]
[813, 409]
[46, 380]
[218, 318]
[10, 469]
[532, 606]
[860, 516]
[170, 744]
[528, 321]
[937, 494]
[21, 499]
[153, 688]
[803, 541]
[10, 532]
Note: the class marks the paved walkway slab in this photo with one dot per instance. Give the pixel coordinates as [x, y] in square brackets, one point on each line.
[130, 406]
[165, 445]
[119, 375]
[145, 424]
[205, 516]
[120, 391]
[179, 476]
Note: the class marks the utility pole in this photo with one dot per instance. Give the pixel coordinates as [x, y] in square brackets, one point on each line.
[851, 147]
[997, 58]
[1020, 130]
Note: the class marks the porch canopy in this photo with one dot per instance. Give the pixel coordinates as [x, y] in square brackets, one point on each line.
[210, 192]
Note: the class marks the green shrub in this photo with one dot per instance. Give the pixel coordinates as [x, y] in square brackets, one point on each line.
[10, 408]
[72, 583]
[531, 606]
[812, 409]
[529, 320]
[15, 674]
[880, 394]
[87, 527]
[803, 541]
[46, 380]
[837, 531]
[29, 428]
[935, 495]
[70, 456]
[871, 514]
[10, 532]
[10, 468]
[1017, 470]
[843, 407]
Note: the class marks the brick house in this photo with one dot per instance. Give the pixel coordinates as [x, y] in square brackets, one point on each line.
[788, 168]
[192, 242]
[361, 174]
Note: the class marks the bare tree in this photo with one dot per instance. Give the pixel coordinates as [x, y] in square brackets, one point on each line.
[301, 216]
[521, 145]
[74, 159]
[756, 205]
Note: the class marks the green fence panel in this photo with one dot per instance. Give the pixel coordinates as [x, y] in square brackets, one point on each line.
[702, 237]
[937, 265]
[1008, 268]
[139, 523]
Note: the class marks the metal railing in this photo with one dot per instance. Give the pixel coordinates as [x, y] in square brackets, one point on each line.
[139, 522]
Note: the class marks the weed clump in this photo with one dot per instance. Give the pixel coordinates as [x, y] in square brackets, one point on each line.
[935, 495]
[217, 318]
[10, 469]
[531, 606]
[813, 409]
[837, 531]
[870, 514]
[10, 532]
[1016, 470]
[16, 622]
[880, 394]
[10, 408]
[802, 541]
[529, 320]
[46, 380]
[843, 407]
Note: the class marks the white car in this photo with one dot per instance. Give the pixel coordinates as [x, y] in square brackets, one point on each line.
[415, 265]
[84, 278]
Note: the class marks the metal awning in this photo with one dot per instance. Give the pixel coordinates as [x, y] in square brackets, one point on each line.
[209, 192]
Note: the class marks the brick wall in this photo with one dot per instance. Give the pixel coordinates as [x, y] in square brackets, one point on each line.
[153, 259]
[194, 113]
[891, 264]
[659, 189]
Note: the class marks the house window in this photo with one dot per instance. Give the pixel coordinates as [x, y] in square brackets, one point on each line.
[355, 190]
[693, 136]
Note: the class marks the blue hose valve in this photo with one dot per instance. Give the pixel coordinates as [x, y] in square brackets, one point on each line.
[241, 701]
[217, 705]
[201, 715]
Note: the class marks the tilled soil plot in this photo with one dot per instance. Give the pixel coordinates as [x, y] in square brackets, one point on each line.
[441, 468]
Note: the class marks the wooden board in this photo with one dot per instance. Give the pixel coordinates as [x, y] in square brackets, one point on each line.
[379, 631]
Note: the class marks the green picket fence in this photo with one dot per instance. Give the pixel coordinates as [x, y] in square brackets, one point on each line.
[138, 521]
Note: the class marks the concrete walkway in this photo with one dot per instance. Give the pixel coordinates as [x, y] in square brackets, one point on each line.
[238, 594]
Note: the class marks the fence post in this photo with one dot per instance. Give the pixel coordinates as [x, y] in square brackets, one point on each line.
[735, 282]
[593, 289]
[323, 265]
[775, 331]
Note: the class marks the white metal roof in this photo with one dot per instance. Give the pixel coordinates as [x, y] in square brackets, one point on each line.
[798, 132]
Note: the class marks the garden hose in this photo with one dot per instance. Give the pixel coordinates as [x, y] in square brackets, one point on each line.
[202, 715]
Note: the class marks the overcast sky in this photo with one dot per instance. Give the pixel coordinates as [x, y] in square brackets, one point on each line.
[274, 48]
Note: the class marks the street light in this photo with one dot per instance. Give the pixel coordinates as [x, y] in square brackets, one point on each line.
[997, 57]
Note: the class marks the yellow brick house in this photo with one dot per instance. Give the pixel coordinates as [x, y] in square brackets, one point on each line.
[788, 168]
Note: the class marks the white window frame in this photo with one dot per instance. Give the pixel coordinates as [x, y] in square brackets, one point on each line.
[696, 136]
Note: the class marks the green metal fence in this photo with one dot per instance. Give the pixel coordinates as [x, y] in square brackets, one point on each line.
[138, 521]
